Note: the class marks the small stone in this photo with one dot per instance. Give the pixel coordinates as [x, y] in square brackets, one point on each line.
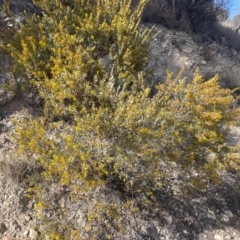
[32, 234]
[30, 205]
[3, 228]
[144, 229]
[218, 237]
[211, 214]
[169, 220]
[27, 218]
[225, 218]
[228, 213]
[158, 229]
[187, 50]
[234, 52]
[26, 233]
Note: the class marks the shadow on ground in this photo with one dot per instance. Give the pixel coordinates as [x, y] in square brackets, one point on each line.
[208, 210]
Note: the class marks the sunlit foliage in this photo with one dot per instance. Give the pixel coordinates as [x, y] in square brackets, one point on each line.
[101, 128]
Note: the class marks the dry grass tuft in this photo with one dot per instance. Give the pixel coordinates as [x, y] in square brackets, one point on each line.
[14, 168]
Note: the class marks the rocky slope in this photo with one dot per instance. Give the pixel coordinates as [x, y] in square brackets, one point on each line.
[172, 50]
[209, 214]
[206, 215]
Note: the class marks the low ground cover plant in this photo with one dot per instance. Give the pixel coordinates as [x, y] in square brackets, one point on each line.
[100, 127]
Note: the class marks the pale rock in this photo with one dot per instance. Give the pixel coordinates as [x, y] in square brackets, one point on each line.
[30, 205]
[164, 232]
[144, 229]
[225, 218]
[27, 218]
[234, 52]
[158, 229]
[187, 50]
[33, 234]
[218, 237]
[211, 214]
[228, 213]
[62, 203]
[26, 233]
[169, 220]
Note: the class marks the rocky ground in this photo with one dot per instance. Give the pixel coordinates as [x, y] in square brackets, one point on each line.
[209, 214]
[212, 214]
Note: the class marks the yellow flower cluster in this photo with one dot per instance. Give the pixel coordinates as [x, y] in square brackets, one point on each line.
[100, 127]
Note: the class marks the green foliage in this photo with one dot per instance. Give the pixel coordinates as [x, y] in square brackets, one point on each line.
[100, 129]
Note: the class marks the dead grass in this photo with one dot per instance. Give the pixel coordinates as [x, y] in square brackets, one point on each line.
[186, 15]
[192, 16]
[14, 168]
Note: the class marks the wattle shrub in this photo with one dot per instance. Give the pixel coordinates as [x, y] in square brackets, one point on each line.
[100, 129]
